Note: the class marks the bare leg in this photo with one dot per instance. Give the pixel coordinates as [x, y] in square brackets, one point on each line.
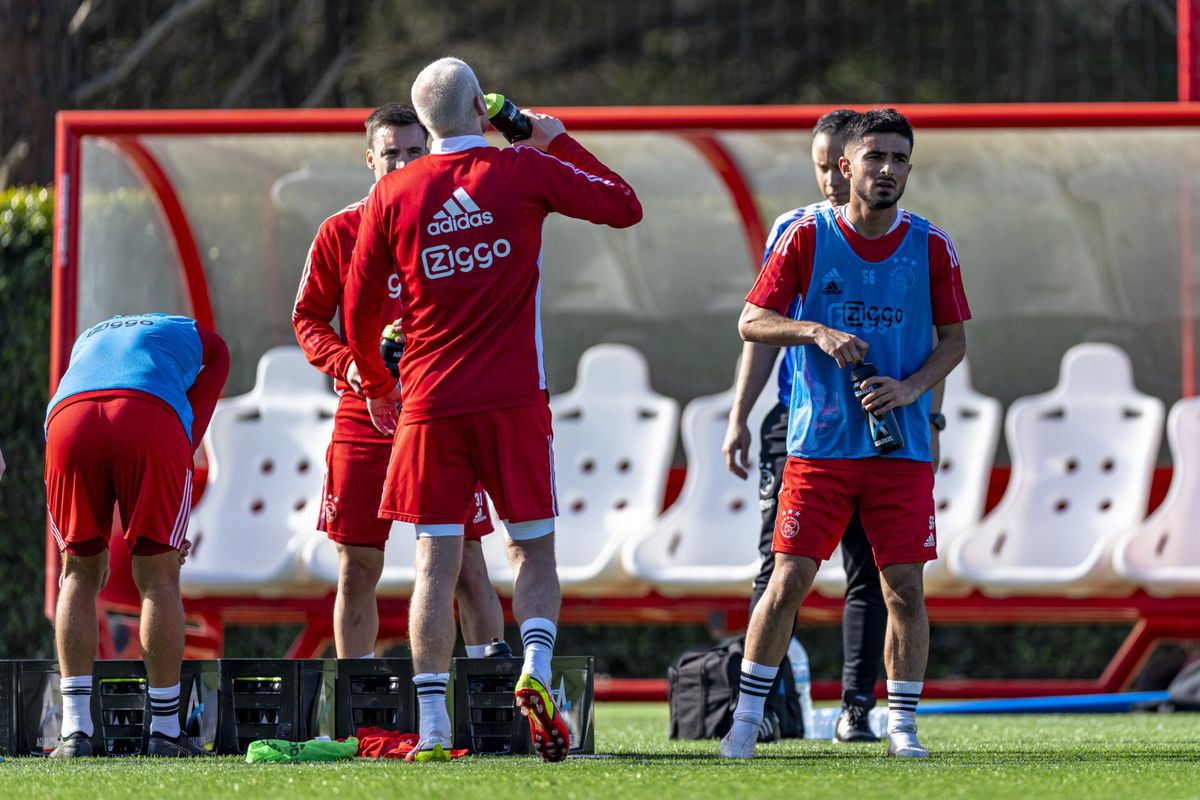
[76, 631]
[162, 624]
[431, 611]
[536, 592]
[480, 615]
[355, 612]
[775, 614]
[906, 652]
[906, 649]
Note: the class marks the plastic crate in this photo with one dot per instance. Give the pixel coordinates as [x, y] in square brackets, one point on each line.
[486, 720]
[274, 698]
[30, 707]
[374, 693]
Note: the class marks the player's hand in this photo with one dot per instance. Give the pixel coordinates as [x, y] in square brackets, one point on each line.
[737, 448]
[545, 128]
[385, 411]
[888, 393]
[185, 550]
[844, 348]
[935, 448]
[353, 378]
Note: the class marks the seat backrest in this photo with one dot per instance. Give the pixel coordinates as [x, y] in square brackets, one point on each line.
[614, 438]
[1083, 457]
[715, 521]
[968, 450]
[1169, 537]
[266, 455]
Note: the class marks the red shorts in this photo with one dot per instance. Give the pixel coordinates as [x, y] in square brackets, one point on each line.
[436, 464]
[894, 498]
[354, 477]
[131, 452]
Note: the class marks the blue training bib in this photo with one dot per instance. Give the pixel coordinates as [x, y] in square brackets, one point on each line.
[887, 305]
[158, 354]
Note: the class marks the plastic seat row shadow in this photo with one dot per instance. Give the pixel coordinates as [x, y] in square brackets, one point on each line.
[228, 703]
[1071, 520]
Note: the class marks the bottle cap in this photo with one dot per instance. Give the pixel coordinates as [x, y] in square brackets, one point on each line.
[390, 332]
[495, 102]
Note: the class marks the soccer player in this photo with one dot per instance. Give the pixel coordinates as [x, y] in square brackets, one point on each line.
[463, 229]
[899, 276]
[357, 459]
[864, 616]
[122, 428]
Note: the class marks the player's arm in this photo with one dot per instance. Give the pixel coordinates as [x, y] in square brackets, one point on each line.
[575, 183]
[950, 311]
[891, 393]
[365, 292]
[783, 278]
[316, 305]
[753, 371]
[206, 389]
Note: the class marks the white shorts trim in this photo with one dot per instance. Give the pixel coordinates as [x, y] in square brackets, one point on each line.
[524, 531]
[428, 531]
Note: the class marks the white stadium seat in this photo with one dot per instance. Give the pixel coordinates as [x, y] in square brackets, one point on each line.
[266, 451]
[968, 450]
[707, 541]
[614, 439]
[1083, 457]
[1163, 554]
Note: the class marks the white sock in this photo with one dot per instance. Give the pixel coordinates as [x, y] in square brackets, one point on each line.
[367, 657]
[164, 710]
[537, 637]
[902, 705]
[77, 705]
[476, 650]
[753, 689]
[434, 726]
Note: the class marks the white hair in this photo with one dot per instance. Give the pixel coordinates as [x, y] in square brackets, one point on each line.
[444, 96]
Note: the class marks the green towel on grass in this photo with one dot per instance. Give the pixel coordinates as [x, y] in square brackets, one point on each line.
[283, 751]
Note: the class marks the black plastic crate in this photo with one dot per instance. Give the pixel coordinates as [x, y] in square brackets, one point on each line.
[374, 693]
[120, 712]
[274, 698]
[486, 721]
[199, 703]
[30, 707]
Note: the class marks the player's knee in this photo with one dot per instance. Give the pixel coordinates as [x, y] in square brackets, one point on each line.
[358, 572]
[904, 593]
[87, 572]
[793, 575]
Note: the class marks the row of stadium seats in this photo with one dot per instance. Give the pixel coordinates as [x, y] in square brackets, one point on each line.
[1070, 522]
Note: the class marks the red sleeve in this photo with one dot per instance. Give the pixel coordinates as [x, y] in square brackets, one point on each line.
[366, 290]
[788, 269]
[575, 183]
[317, 303]
[206, 390]
[946, 293]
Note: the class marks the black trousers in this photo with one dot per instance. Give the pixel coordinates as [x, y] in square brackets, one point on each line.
[864, 617]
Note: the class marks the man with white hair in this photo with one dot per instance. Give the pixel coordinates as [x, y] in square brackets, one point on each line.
[462, 228]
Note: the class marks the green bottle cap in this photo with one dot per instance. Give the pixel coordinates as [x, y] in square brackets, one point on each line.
[495, 102]
[390, 332]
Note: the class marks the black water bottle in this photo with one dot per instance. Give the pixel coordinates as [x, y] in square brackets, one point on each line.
[391, 347]
[507, 118]
[885, 432]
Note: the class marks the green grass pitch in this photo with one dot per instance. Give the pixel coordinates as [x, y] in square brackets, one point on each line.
[1027, 757]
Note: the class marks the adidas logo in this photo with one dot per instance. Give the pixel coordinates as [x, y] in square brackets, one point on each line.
[931, 541]
[833, 283]
[458, 214]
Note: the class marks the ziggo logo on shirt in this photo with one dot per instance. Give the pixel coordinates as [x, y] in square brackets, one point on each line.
[442, 261]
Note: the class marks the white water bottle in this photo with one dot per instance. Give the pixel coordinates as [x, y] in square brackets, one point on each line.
[803, 680]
